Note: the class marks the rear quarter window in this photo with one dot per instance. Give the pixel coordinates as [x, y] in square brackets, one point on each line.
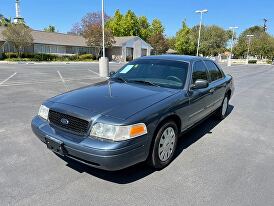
[214, 72]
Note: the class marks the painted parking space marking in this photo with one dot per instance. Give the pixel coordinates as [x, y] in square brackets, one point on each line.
[63, 80]
[2, 130]
[1, 83]
[94, 72]
[47, 82]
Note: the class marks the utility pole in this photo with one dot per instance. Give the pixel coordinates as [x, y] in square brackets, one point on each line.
[103, 61]
[199, 36]
[248, 47]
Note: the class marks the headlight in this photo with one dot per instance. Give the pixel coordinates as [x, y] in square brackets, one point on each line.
[43, 112]
[118, 133]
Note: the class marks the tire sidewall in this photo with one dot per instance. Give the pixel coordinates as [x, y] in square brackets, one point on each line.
[156, 162]
[222, 116]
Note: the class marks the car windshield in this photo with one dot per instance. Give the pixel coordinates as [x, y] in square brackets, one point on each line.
[163, 73]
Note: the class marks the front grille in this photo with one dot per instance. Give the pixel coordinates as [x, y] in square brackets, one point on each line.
[74, 124]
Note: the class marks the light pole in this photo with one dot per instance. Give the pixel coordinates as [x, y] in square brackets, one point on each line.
[248, 47]
[199, 36]
[103, 27]
[103, 61]
[232, 44]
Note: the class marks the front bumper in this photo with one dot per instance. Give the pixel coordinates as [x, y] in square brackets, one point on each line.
[103, 154]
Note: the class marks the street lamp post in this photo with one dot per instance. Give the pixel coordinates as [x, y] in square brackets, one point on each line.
[103, 27]
[232, 44]
[199, 36]
[103, 61]
[248, 47]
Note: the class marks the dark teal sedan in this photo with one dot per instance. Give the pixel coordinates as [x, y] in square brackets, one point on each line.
[137, 114]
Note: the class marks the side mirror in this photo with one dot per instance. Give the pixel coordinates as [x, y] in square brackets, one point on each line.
[200, 84]
[111, 73]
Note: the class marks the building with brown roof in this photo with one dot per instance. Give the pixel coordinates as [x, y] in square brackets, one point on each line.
[124, 48]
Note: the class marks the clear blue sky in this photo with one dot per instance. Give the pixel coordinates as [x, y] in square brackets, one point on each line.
[64, 13]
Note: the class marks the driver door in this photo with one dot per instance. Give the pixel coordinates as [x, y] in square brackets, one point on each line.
[199, 99]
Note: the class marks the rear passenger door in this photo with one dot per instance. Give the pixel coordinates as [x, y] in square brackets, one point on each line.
[217, 84]
[199, 99]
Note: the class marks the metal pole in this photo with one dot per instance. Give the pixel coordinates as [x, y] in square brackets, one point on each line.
[229, 61]
[247, 57]
[199, 36]
[232, 42]
[200, 27]
[248, 47]
[103, 61]
[103, 27]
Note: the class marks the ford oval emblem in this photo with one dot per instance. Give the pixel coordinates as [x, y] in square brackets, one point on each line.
[64, 121]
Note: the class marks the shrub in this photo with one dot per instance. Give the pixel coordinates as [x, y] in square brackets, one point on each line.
[9, 55]
[253, 61]
[86, 57]
[269, 61]
[44, 57]
[27, 55]
[73, 58]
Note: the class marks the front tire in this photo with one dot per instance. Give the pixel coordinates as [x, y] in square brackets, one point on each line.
[164, 145]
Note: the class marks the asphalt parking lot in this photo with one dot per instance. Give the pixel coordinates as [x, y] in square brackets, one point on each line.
[217, 163]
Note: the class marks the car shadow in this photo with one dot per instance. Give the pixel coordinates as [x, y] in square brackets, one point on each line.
[140, 171]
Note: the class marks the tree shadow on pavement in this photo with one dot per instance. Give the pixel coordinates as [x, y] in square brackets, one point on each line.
[140, 171]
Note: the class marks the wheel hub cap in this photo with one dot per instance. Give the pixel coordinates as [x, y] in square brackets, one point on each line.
[166, 144]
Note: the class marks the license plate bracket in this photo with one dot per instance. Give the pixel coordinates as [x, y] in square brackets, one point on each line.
[55, 145]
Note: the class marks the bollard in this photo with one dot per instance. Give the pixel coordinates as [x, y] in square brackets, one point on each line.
[103, 67]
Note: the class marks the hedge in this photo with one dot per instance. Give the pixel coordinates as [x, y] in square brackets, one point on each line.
[48, 57]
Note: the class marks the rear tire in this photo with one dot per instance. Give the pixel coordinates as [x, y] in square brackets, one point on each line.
[164, 146]
[222, 111]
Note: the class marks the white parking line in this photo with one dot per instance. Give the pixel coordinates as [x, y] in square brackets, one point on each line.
[47, 82]
[2, 130]
[8, 78]
[63, 80]
[94, 72]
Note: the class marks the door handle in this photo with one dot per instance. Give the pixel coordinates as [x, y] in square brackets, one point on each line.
[211, 91]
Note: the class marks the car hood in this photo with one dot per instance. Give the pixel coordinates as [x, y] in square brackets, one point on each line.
[114, 99]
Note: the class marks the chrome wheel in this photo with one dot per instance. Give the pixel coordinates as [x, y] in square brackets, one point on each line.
[224, 106]
[166, 144]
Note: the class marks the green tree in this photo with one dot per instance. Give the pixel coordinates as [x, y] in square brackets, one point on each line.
[114, 23]
[213, 39]
[157, 27]
[50, 28]
[19, 35]
[4, 21]
[184, 42]
[130, 24]
[171, 42]
[262, 44]
[157, 38]
[144, 28]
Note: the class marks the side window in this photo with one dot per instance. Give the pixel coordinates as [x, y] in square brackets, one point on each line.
[214, 71]
[199, 71]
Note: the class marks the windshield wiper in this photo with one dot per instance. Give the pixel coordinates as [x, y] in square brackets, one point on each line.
[122, 79]
[145, 82]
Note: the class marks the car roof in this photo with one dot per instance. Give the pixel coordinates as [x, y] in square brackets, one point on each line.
[185, 58]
